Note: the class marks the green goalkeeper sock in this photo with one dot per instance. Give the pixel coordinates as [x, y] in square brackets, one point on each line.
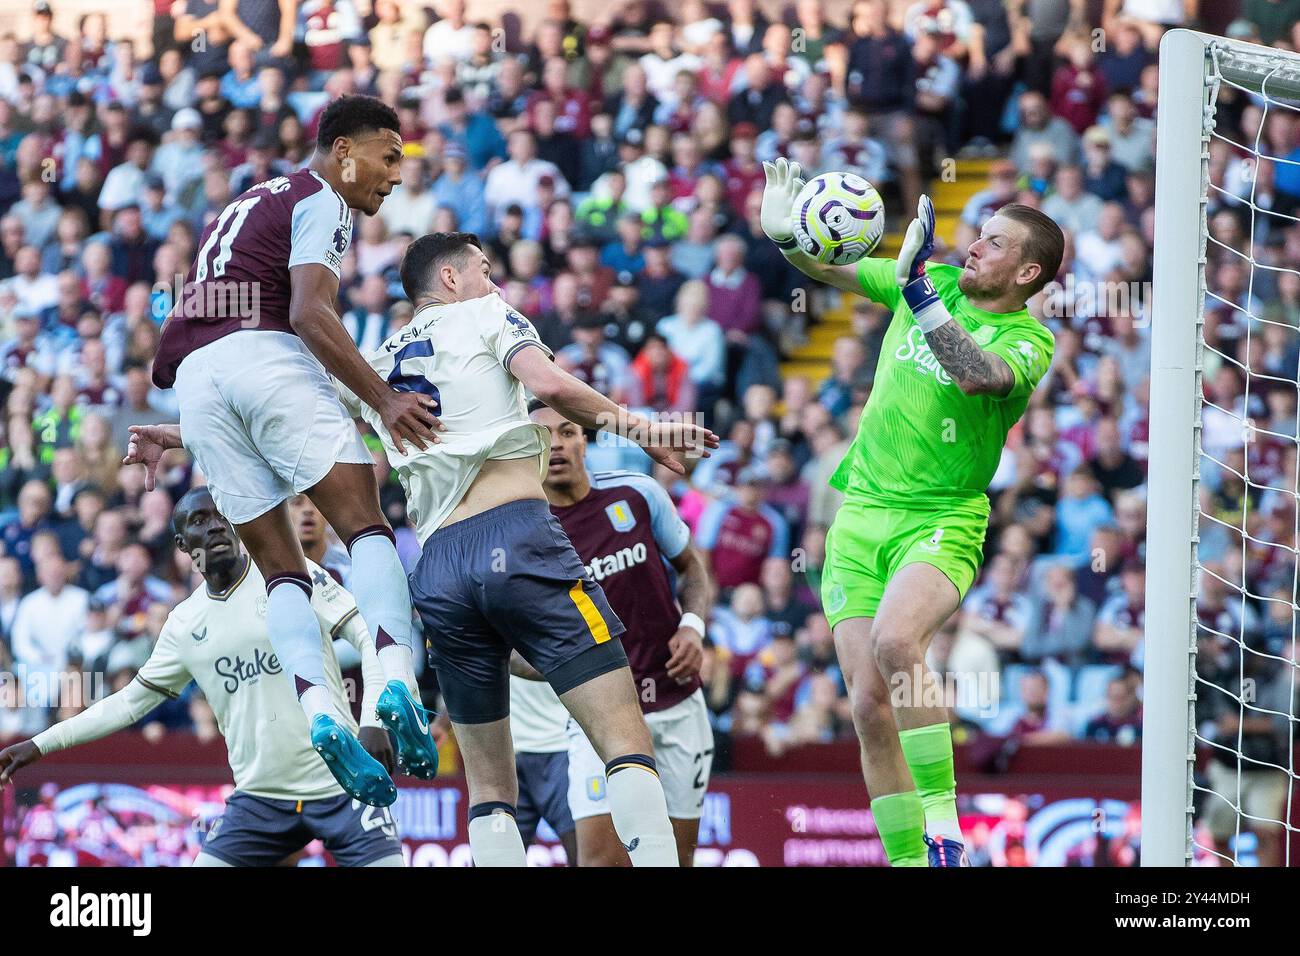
[928, 752]
[900, 820]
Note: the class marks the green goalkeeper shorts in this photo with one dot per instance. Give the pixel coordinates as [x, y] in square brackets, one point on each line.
[868, 544]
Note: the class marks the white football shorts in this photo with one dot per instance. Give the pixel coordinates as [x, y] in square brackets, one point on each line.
[262, 419]
[683, 742]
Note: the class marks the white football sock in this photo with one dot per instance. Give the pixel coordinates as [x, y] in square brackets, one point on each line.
[494, 838]
[636, 802]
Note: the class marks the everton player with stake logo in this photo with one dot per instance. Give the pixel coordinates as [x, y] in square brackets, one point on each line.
[284, 797]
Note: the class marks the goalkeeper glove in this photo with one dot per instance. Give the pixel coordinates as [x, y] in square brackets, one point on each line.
[918, 291]
[783, 185]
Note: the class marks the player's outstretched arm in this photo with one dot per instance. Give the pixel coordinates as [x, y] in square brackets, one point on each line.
[102, 718]
[407, 416]
[776, 216]
[975, 371]
[580, 403]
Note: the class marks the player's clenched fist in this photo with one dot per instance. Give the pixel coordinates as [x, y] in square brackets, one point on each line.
[16, 757]
[410, 417]
[686, 650]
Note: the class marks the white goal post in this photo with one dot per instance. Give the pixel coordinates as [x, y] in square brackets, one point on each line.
[1193, 67]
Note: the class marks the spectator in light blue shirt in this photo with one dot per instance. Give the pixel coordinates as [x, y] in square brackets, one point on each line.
[1081, 510]
[461, 191]
[624, 253]
[476, 132]
[696, 338]
[180, 160]
[155, 215]
[240, 86]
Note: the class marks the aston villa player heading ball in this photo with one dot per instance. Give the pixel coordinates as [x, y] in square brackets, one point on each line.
[959, 361]
[259, 412]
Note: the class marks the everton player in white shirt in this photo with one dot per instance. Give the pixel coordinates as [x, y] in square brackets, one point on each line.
[284, 796]
[497, 572]
[250, 346]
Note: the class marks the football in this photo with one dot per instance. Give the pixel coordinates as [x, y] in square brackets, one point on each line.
[838, 218]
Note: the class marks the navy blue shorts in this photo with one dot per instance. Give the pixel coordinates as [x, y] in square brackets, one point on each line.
[509, 578]
[543, 793]
[259, 831]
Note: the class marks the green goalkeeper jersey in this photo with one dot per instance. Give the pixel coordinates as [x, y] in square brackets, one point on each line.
[922, 442]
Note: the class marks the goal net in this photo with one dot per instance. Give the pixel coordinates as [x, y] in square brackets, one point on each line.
[1219, 776]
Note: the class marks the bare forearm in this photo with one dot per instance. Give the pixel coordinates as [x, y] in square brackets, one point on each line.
[695, 587]
[975, 371]
[171, 435]
[288, 16]
[323, 333]
[583, 405]
[841, 277]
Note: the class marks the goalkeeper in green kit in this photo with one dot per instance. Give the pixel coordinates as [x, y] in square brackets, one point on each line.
[959, 361]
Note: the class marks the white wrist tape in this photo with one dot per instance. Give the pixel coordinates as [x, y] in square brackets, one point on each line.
[932, 316]
[692, 621]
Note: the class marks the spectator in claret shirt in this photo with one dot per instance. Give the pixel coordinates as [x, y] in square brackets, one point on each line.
[1078, 88]
[601, 364]
[734, 292]
[1121, 721]
[1035, 725]
[996, 611]
[130, 595]
[855, 151]
[1121, 622]
[719, 68]
[787, 492]
[740, 534]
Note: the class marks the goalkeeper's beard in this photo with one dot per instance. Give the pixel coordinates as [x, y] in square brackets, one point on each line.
[974, 286]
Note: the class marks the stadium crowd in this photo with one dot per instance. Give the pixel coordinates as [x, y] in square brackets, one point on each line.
[613, 168]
